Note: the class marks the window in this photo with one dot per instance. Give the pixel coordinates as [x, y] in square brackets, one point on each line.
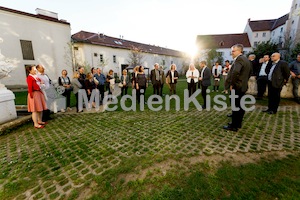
[75, 48]
[114, 59]
[293, 22]
[281, 30]
[296, 6]
[27, 50]
[222, 43]
[163, 62]
[264, 34]
[255, 44]
[101, 58]
[273, 33]
[95, 54]
[256, 35]
[220, 53]
[172, 62]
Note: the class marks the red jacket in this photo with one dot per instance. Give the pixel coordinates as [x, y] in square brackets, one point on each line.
[32, 85]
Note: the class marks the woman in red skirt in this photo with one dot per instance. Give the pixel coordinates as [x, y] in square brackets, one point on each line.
[36, 100]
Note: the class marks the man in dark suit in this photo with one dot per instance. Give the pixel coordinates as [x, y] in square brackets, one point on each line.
[240, 74]
[254, 64]
[156, 79]
[204, 80]
[262, 78]
[278, 75]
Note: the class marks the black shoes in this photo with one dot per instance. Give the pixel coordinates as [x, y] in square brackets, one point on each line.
[230, 128]
[271, 112]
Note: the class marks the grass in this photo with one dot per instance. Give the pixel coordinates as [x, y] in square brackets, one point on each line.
[153, 155]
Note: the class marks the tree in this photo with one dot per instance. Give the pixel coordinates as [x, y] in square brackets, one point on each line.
[135, 56]
[103, 62]
[214, 56]
[295, 51]
[264, 48]
[68, 56]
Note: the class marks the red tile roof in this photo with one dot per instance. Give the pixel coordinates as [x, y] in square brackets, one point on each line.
[35, 16]
[268, 25]
[104, 40]
[222, 41]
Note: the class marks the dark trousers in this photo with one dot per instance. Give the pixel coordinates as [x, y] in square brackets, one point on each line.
[138, 93]
[273, 97]
[237, 116]
[295, 82]
[172, 88]
[191, 88]
[156, 87]
[101, 90]
[203, 93]
[161, 89]
[67, 94]
[46, 115]
[262, 82]
[124, 90]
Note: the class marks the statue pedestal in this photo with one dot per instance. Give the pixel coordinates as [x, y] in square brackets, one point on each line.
[7, 105]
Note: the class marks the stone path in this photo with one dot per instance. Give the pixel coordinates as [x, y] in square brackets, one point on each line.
[55, 162]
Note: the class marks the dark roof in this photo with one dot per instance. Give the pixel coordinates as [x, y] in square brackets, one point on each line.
[104, 40]
[280, 21]
[39, 16]
[222, 41]
[268, 25]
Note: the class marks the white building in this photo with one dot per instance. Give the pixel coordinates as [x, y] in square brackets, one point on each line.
[99, 50]
[222, 43]
[34, 39]
[277, 31]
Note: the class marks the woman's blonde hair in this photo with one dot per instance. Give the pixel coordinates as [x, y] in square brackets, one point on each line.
[174, 66]
[124, 70]
[75, 74]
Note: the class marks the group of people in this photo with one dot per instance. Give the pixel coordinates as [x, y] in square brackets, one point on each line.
[260, 72]
[272, 74]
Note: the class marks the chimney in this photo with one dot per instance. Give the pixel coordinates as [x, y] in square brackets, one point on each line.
[46, 13]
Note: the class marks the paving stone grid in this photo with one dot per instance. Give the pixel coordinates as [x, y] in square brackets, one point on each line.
[75, 147]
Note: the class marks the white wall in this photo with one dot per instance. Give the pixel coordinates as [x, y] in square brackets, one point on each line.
[85, 55]
[49, 40]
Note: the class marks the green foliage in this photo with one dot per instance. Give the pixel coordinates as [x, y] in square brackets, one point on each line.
[295, 51]
[214, 56]
[264, 48]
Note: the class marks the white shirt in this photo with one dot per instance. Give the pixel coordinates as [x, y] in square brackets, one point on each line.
[271, 70]
[262, 71]
[44, 78]
[195, 73]
[172, 74]
[219, 70]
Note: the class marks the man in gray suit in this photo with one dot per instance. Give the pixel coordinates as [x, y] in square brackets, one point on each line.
[240, 74]
[204, 79]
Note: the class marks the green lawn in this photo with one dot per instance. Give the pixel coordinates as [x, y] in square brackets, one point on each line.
[153, 155]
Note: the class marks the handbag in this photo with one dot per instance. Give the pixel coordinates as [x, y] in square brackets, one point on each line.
[168, 80]
[120, 85]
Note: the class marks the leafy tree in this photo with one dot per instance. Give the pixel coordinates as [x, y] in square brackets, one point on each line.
[135, 56]
[295, 51]
[214, 56]
[264, 48]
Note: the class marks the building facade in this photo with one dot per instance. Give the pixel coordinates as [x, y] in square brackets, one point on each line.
[34, 39]
[99, 50]
[285, 29]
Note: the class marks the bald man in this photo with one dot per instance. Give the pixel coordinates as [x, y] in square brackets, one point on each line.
[278, 74]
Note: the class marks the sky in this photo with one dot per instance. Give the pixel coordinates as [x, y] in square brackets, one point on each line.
[173, 24]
